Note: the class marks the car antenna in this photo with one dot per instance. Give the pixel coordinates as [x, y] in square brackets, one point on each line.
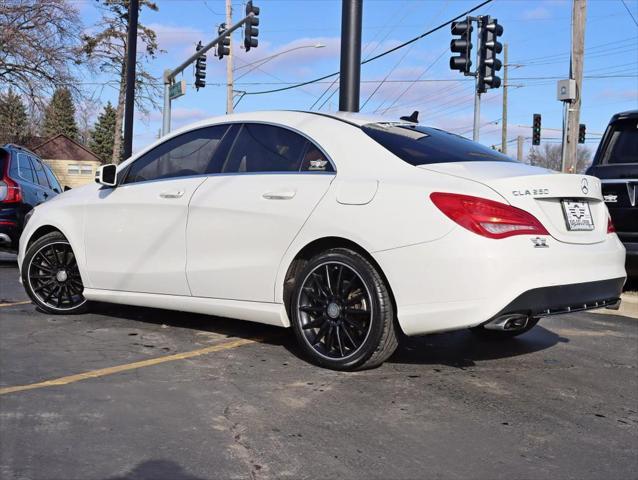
[414, 118]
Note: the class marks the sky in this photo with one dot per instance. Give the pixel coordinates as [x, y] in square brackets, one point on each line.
[417, 77]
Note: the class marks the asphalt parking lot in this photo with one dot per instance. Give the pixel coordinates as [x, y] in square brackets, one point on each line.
[133, 393]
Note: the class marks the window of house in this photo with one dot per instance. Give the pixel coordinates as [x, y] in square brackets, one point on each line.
[86, 169]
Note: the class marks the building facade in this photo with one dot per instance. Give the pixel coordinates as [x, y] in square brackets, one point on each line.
[72, 163]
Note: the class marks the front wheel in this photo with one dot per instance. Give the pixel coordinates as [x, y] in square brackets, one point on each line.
[342, 312]
[51, 277]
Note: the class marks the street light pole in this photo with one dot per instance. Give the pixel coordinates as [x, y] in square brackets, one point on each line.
[350, 76]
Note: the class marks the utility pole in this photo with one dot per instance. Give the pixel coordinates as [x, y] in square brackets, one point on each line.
[349, 80]
[504, 116]
[229, 61]
[131, 60]
[579, 11]
[519, 148]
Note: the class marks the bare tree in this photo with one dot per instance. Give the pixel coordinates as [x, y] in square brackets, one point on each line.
[107, 47]
[85, 116]
[39, 41]
[549, 156]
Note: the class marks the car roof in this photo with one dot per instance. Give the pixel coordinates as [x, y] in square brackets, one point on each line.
[292, 116]
[623, 115]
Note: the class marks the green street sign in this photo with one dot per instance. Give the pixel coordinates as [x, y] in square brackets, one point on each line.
[177, 89]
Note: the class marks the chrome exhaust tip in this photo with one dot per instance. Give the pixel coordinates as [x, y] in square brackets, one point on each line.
[511, 322]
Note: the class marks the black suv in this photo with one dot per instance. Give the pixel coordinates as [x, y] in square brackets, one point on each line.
[616, 164]
[25, 181]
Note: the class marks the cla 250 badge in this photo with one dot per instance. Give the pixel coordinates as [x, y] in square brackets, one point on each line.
[534, 191]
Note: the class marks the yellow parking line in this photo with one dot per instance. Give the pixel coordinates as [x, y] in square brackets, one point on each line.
[24, 302]
[131, 366]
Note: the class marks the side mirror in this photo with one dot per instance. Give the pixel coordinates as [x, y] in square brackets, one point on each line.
[107, 175]
[67, 188]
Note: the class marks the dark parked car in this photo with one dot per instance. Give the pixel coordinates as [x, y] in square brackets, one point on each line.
[25, 181]
[616, 164]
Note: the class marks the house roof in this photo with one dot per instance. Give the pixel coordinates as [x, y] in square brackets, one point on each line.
[61, 147]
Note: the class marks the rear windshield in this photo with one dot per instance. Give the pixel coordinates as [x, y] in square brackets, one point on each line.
[423, 145]
[621, 144]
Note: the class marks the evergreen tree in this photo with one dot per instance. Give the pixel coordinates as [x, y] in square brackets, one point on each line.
[13, 118]
[103, 134]
[59, 116]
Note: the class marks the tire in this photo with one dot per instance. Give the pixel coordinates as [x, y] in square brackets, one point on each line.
[483, 332]
[51, 277]
[342, 312]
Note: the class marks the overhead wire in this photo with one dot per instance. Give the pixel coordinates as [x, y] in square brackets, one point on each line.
[378, 44]
[382, 54]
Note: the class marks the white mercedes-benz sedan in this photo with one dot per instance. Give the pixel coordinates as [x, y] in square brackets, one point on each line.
[349, 229]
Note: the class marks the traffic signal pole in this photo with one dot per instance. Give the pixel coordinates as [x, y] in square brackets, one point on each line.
[169, 75]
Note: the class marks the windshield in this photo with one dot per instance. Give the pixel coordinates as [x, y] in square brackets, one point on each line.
[622, 143]
[419, 145]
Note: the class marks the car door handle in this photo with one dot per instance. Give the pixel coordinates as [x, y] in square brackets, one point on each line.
[282, 195]
[172, 194]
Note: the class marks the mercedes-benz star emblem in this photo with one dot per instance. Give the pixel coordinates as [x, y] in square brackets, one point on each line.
[584, 186]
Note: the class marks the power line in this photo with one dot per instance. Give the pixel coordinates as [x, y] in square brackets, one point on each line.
[392, 27]
[629, 12]
[394, 49]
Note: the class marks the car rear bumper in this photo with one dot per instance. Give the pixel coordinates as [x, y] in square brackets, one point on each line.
[557, 299]
[10, 228]
[464, 280]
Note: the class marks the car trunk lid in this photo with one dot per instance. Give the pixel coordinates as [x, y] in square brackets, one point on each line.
[540, 192]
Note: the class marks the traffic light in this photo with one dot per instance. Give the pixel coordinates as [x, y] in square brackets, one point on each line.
[200, 68]
[581, 133]
[462, 45]
[223, 47]
[250, 29]
[489, 48]
[536, 129]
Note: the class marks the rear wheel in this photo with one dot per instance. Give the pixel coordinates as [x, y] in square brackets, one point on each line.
[488, 334]
[51, 277]
[342, 313]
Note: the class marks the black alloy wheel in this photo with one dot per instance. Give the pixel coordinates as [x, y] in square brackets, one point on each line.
[51, 276]
[342, 312]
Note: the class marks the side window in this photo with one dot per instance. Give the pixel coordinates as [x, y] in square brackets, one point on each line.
[265, 148]
[25, 169]
[52, 180]
[39, 173]
[314, 160]
[187, 154]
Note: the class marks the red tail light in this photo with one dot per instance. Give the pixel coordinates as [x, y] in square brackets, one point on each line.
[610, 226]
[10, 191]
[486, 217]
